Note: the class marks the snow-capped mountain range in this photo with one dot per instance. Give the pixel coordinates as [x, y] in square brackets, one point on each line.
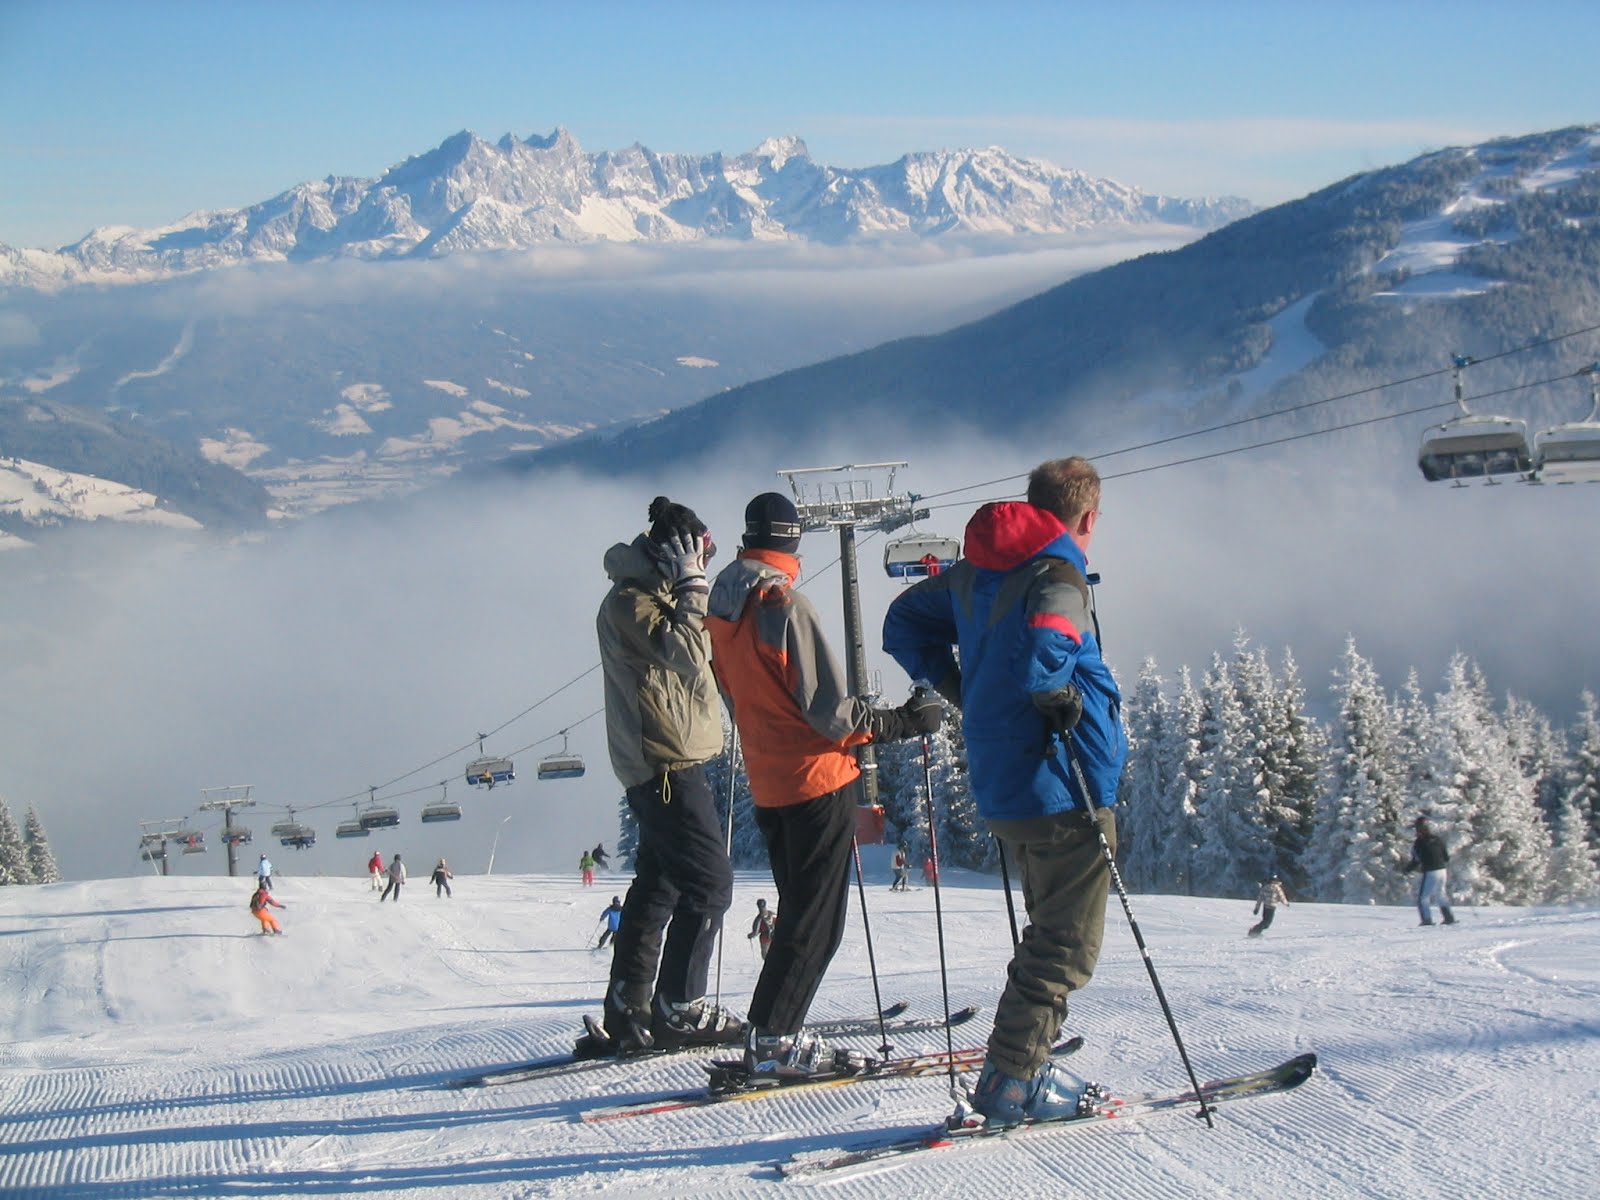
[472, 195]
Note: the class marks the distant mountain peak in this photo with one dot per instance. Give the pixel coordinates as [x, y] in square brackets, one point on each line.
[467, 195]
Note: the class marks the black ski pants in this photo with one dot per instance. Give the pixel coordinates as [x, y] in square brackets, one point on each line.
[682, 884]
[810, 845]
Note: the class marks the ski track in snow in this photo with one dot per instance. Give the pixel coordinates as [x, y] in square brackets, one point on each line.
[151, 1045]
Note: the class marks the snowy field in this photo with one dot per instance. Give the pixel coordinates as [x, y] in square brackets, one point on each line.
[152, 1045]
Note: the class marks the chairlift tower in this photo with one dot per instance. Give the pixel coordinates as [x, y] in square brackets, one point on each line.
[153, 839]
[847, 498]
[226, 799]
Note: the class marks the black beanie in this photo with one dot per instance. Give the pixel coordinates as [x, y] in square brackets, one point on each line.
[668, 518]
[771, 522]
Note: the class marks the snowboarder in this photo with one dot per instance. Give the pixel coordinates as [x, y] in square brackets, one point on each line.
[612, 916]
[662, 727]
[1430, 856]
[397, 876]
[264, 872]
[763, 925]
[261, 905]
[1267, 901]
[799, 727]
[601, 858]
[1030, 678]
[586, 868]
[375, 870]
[902, 869]
[441, 879]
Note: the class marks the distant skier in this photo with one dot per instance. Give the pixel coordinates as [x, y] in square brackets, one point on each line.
[930, 873]
[264, 872]
[397, 876]
[1428, 854]
[586, 868]
[902, 869]
[601, 858]
[762, 927]
[1267, 901]
[375, 870]
[612, 916]
[441, 879]
[261, 905]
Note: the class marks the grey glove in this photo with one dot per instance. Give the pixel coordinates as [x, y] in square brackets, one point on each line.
[922, 714]
[683, 561]
[1061, 708]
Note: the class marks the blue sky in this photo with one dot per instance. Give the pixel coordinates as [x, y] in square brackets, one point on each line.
[140, 111]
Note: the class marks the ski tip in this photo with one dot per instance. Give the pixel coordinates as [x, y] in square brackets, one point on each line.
[965, 1015]
[1071, 1046]
[1300, 1068]
[894, 1010]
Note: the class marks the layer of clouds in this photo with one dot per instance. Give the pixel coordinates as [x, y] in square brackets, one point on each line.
[351, 651]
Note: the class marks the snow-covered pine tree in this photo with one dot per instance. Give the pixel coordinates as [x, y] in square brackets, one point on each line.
[1585, 778]
[1235, 852]
[1153, 834]
[14, 865]
[965, 837]
[1501, 850]
[40, 856]
[1541, 752]
[900, 794]
[1574, 865]
[749, 848]
[627, 835]
[1184, 767]
[1360, 844]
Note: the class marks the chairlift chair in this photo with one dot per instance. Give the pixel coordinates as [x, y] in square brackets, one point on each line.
[195, 844]
[487, 770]
[919, 555]
[286, 827]
[351, 828]
[237, 836]
[441, 809]
[1570, 453]
[155, 853]
[562, 765]
[303, 838]
[379, 817]
[1472, 446]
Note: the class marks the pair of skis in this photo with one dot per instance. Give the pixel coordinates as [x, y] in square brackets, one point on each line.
[890, 1021]
[952, 1133]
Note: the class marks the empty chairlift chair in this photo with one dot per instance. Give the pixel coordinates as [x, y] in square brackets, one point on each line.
[487, 770]
[919, 555]
[562, 765]
[441, 809]
[1474, 447]
[353, 828]
[1570, 453]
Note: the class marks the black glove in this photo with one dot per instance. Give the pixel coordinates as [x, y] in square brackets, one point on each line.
[922, 714]
[1061, 709]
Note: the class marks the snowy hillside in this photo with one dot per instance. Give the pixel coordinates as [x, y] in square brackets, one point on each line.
[471, 195]
[32, 494]
[151, 1045]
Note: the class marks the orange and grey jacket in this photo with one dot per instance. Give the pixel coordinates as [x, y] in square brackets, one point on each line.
[661, 700]
[786, 693]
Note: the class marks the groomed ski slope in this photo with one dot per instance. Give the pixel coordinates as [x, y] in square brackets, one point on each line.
[153, 1045]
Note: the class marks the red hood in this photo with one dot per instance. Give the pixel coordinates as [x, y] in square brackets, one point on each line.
[1006, 534]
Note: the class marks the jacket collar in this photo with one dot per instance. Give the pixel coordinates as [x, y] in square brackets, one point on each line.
[1006, 534]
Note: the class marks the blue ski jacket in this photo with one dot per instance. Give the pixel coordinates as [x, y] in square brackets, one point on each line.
[1018, 608]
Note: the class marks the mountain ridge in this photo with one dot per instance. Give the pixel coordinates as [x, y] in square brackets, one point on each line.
[468, 195]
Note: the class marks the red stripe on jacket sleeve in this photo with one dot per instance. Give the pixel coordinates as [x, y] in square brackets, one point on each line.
[1056, 622]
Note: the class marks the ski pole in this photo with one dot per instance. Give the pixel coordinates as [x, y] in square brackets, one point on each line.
[1138, 937]
[727, 843]
[1005, 878]
[938, 911]
[872, 962]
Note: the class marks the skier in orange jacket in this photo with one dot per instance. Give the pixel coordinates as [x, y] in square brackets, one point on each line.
[262, 904]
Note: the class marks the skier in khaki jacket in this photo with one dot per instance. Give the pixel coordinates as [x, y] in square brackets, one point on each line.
[1267, 902]
[662, 726]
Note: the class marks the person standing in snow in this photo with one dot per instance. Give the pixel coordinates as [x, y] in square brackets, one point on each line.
[261, 905]
[902, 870]
[662, 727]
[930, 872]
[586, 868]
[612, 916]
[1267, 902]
[264, 872]
[799, 728]
[441, 879]
[1041, 718]
[761, 928]
[375, 870]
[601, 858]
[1429, 855]
[397, 876]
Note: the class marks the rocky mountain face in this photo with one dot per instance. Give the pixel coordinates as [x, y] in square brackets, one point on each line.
[468, 195]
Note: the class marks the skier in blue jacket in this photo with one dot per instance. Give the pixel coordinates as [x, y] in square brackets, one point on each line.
[1035, 694]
